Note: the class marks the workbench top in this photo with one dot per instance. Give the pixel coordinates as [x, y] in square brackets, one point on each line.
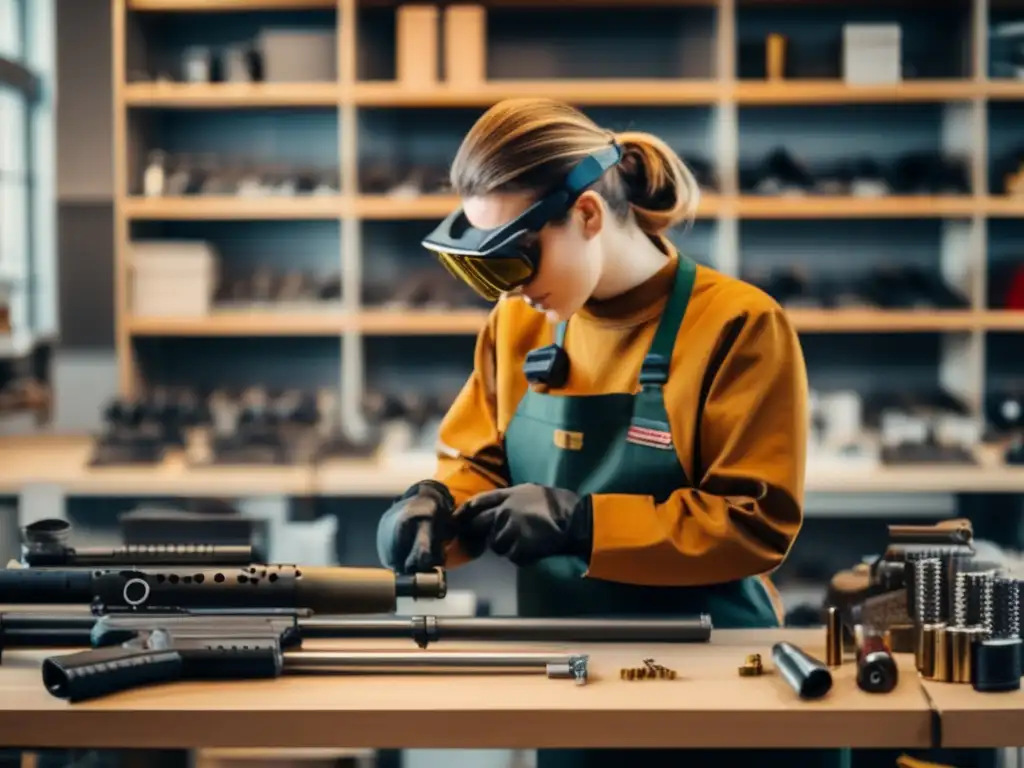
[708, 705]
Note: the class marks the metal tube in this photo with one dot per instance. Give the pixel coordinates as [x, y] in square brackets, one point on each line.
[429, 629]
[553, 664]
[833, 638]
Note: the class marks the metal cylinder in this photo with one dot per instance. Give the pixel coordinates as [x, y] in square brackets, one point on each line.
[978, 599]
[942, 668]
[926, 650]
[928, 590]
[833, 637]
[961, 642]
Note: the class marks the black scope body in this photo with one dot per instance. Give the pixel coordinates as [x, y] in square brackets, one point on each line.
[45, 545]
[318, 589]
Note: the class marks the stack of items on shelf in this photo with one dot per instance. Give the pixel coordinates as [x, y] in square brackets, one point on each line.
[934, 594]
[1005, 421]
[782, 172]
[426, 289]
[886, 288]
[1006, 51]
[896, 429]
[191, 175]
[266, 288]
[704, 171]
[276, 55]
[172, 278]
[254, 427]
[408, 424]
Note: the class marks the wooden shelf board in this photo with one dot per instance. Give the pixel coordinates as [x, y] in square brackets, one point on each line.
[193, 6]
[1005, 90]
[216, 208]
[231, 95]
[833, 92]
[1003, 206]
[582, 92]
[62, 460]
[458, 322]
[883, 321]
[250, 322]
[828, 207]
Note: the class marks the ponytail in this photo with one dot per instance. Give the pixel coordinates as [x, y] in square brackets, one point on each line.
[662, 192]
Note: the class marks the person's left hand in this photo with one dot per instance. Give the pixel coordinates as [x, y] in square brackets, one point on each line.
[526, 523]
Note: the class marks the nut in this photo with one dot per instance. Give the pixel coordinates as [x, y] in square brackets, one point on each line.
[752, 667]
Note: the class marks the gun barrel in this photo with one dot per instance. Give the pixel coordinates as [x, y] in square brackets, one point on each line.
[147, 555]
[321, 590]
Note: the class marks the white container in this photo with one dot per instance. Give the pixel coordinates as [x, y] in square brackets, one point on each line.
[872, 54]
[173, 278]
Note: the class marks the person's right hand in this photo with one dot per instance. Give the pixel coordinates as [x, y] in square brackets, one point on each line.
[411, 535]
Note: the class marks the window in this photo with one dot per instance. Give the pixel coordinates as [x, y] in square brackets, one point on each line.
[11, 43]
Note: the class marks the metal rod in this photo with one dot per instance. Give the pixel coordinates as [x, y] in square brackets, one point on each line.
[555, 665]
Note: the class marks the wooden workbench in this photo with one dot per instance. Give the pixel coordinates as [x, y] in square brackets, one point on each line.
[971, 719]
[709, 705]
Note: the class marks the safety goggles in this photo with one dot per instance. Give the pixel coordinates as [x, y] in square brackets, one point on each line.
[500, 260]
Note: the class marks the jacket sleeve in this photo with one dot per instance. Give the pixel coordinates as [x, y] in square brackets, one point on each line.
[746, 507]
[470, 450]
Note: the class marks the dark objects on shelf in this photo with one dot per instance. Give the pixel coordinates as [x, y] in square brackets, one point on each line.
[266, 285]
[1007, 176]
[927, 427]
[408, 421]
[422, 289]
[25, 384]
[783, 172]
[1006, 284]
[139, 431]
[205, 174]
[1004, 416]
[1006, 51]
[402, 180]
[886, 288]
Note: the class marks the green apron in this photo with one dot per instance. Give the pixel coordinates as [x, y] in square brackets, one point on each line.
[620, 447]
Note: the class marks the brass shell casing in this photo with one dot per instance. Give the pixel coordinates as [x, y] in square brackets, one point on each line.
[943, 660]
[961, 652]
[833, 638]
[926, 650]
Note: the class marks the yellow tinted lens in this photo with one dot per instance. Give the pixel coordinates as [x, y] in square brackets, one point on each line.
[504, 272]
[460, 269]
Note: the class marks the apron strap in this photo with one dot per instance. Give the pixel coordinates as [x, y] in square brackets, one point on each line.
[654, 371]
[560, 333]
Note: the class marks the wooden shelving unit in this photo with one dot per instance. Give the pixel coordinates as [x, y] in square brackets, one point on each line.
[965, 218]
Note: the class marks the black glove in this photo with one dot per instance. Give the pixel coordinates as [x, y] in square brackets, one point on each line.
[411, 535]
[526, 523]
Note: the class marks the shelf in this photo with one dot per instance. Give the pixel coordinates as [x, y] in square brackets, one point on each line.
[1003, 320]
[1005, 90]
[827, 207]
[582, 92]
[1001, 206]
[193, 6]
[884, 321]
[211, 208]
[62, 461]
[385, 207]
[231, 95]
[456, 322]
[245, 322]
[810, 92]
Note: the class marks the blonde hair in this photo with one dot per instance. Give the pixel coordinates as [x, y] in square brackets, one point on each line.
[530, 144]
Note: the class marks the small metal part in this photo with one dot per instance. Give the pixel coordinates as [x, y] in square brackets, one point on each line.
[1005, 608]
[833, 637]
[997, 664]
[927, 643]
[942, 669]
[876, 668]
[752, 666]
[960, 641]
[804, 673]
[649, 671]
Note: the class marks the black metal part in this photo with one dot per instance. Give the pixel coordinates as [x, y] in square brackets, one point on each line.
[997, 665]
[805, 674]
[170, 590]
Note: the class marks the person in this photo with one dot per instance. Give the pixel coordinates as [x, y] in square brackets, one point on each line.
[633, 434]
